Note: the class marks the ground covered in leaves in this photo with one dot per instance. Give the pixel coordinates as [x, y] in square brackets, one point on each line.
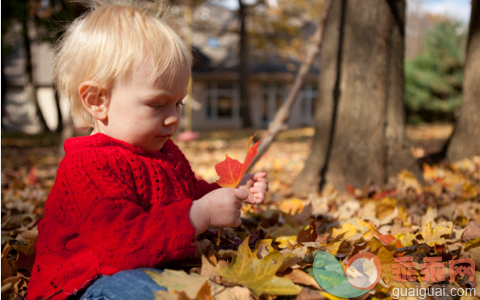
[271, 255]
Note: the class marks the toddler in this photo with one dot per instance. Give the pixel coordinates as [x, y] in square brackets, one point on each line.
[125, 197]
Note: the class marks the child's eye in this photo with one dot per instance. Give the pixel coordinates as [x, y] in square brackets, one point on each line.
[180, 102]
[156, 106]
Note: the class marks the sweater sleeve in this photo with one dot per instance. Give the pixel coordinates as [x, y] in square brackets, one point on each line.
[204, 187]
[110, 221]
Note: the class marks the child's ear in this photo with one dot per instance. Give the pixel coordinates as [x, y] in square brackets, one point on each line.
[95, 99]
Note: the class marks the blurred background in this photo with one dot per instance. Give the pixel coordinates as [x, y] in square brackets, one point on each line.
[251, 57]
[277, 34]
[374, 99]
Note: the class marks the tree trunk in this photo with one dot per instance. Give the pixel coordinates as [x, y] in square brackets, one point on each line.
[359, 118]
[465, 141]
[244, 72]
[4, 92]
[30, 87]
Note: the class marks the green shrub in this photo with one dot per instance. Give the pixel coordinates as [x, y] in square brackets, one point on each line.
[433, 79]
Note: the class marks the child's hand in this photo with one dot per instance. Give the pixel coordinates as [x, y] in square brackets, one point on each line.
[257, 186]
[219, 208]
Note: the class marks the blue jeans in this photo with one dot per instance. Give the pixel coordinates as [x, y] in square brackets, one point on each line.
[124, 285]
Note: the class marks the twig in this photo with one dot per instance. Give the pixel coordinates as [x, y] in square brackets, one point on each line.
[408, 249]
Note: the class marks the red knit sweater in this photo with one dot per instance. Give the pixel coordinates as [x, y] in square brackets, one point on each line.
[113, 207]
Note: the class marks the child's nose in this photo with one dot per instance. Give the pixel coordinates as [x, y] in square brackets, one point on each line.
[171, 119]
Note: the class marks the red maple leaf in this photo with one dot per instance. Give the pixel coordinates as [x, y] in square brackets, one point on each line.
[231, 171]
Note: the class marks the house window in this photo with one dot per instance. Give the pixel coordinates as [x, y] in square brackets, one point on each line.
[308, 98]
[222, 101]
[213, 42]
[272, 98]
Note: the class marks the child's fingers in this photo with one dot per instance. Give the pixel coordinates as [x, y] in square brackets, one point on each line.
[237, 222]
[241, 194]
[261, 185]
[259, 176]
[258, 198]
[258, 190]
[261, 180]
[239, 204]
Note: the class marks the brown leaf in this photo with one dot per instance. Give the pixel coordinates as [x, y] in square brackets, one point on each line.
[221, 292]
[204, 293]
[208, 269]
[308, 234]
[179, 281]
[386, 259]
[301, 277]
[9, 258]
[472, 232]
[310, 294]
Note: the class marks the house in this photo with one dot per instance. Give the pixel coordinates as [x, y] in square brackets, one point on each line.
[216, 75]
[215, 90]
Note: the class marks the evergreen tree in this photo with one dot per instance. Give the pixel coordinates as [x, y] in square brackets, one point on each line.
[434, 78]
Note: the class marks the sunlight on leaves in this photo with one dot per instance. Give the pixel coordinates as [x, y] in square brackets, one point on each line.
[258, 274]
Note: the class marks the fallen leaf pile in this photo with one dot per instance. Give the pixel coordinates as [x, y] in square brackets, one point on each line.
[271, 254]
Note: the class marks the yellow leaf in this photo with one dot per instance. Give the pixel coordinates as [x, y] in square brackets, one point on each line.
[408, 181]
[469, 191]
[332, 297]
[258, 274]
[367, 236]
[282, 231]
[385, 208]
[472, 244]
[386, 258]
[430, 216]
[283, 241]
[292, 206]
[406, 239]
[179, 281]
[434, 235]
[332, 248]
[264, 247]
[348, 230]
[366, 224]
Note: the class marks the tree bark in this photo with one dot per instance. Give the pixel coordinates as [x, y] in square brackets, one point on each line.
[30, 86]
[465, 141]
[4, 90]
[244, 71]
[359, 118]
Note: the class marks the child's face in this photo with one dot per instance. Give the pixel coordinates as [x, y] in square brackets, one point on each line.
[143, 113]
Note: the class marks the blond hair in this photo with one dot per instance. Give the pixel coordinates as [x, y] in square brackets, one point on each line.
[106, 44]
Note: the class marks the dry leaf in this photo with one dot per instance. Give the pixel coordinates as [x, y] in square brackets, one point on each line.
[258, 274]
[179, 281]
[300, 277]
